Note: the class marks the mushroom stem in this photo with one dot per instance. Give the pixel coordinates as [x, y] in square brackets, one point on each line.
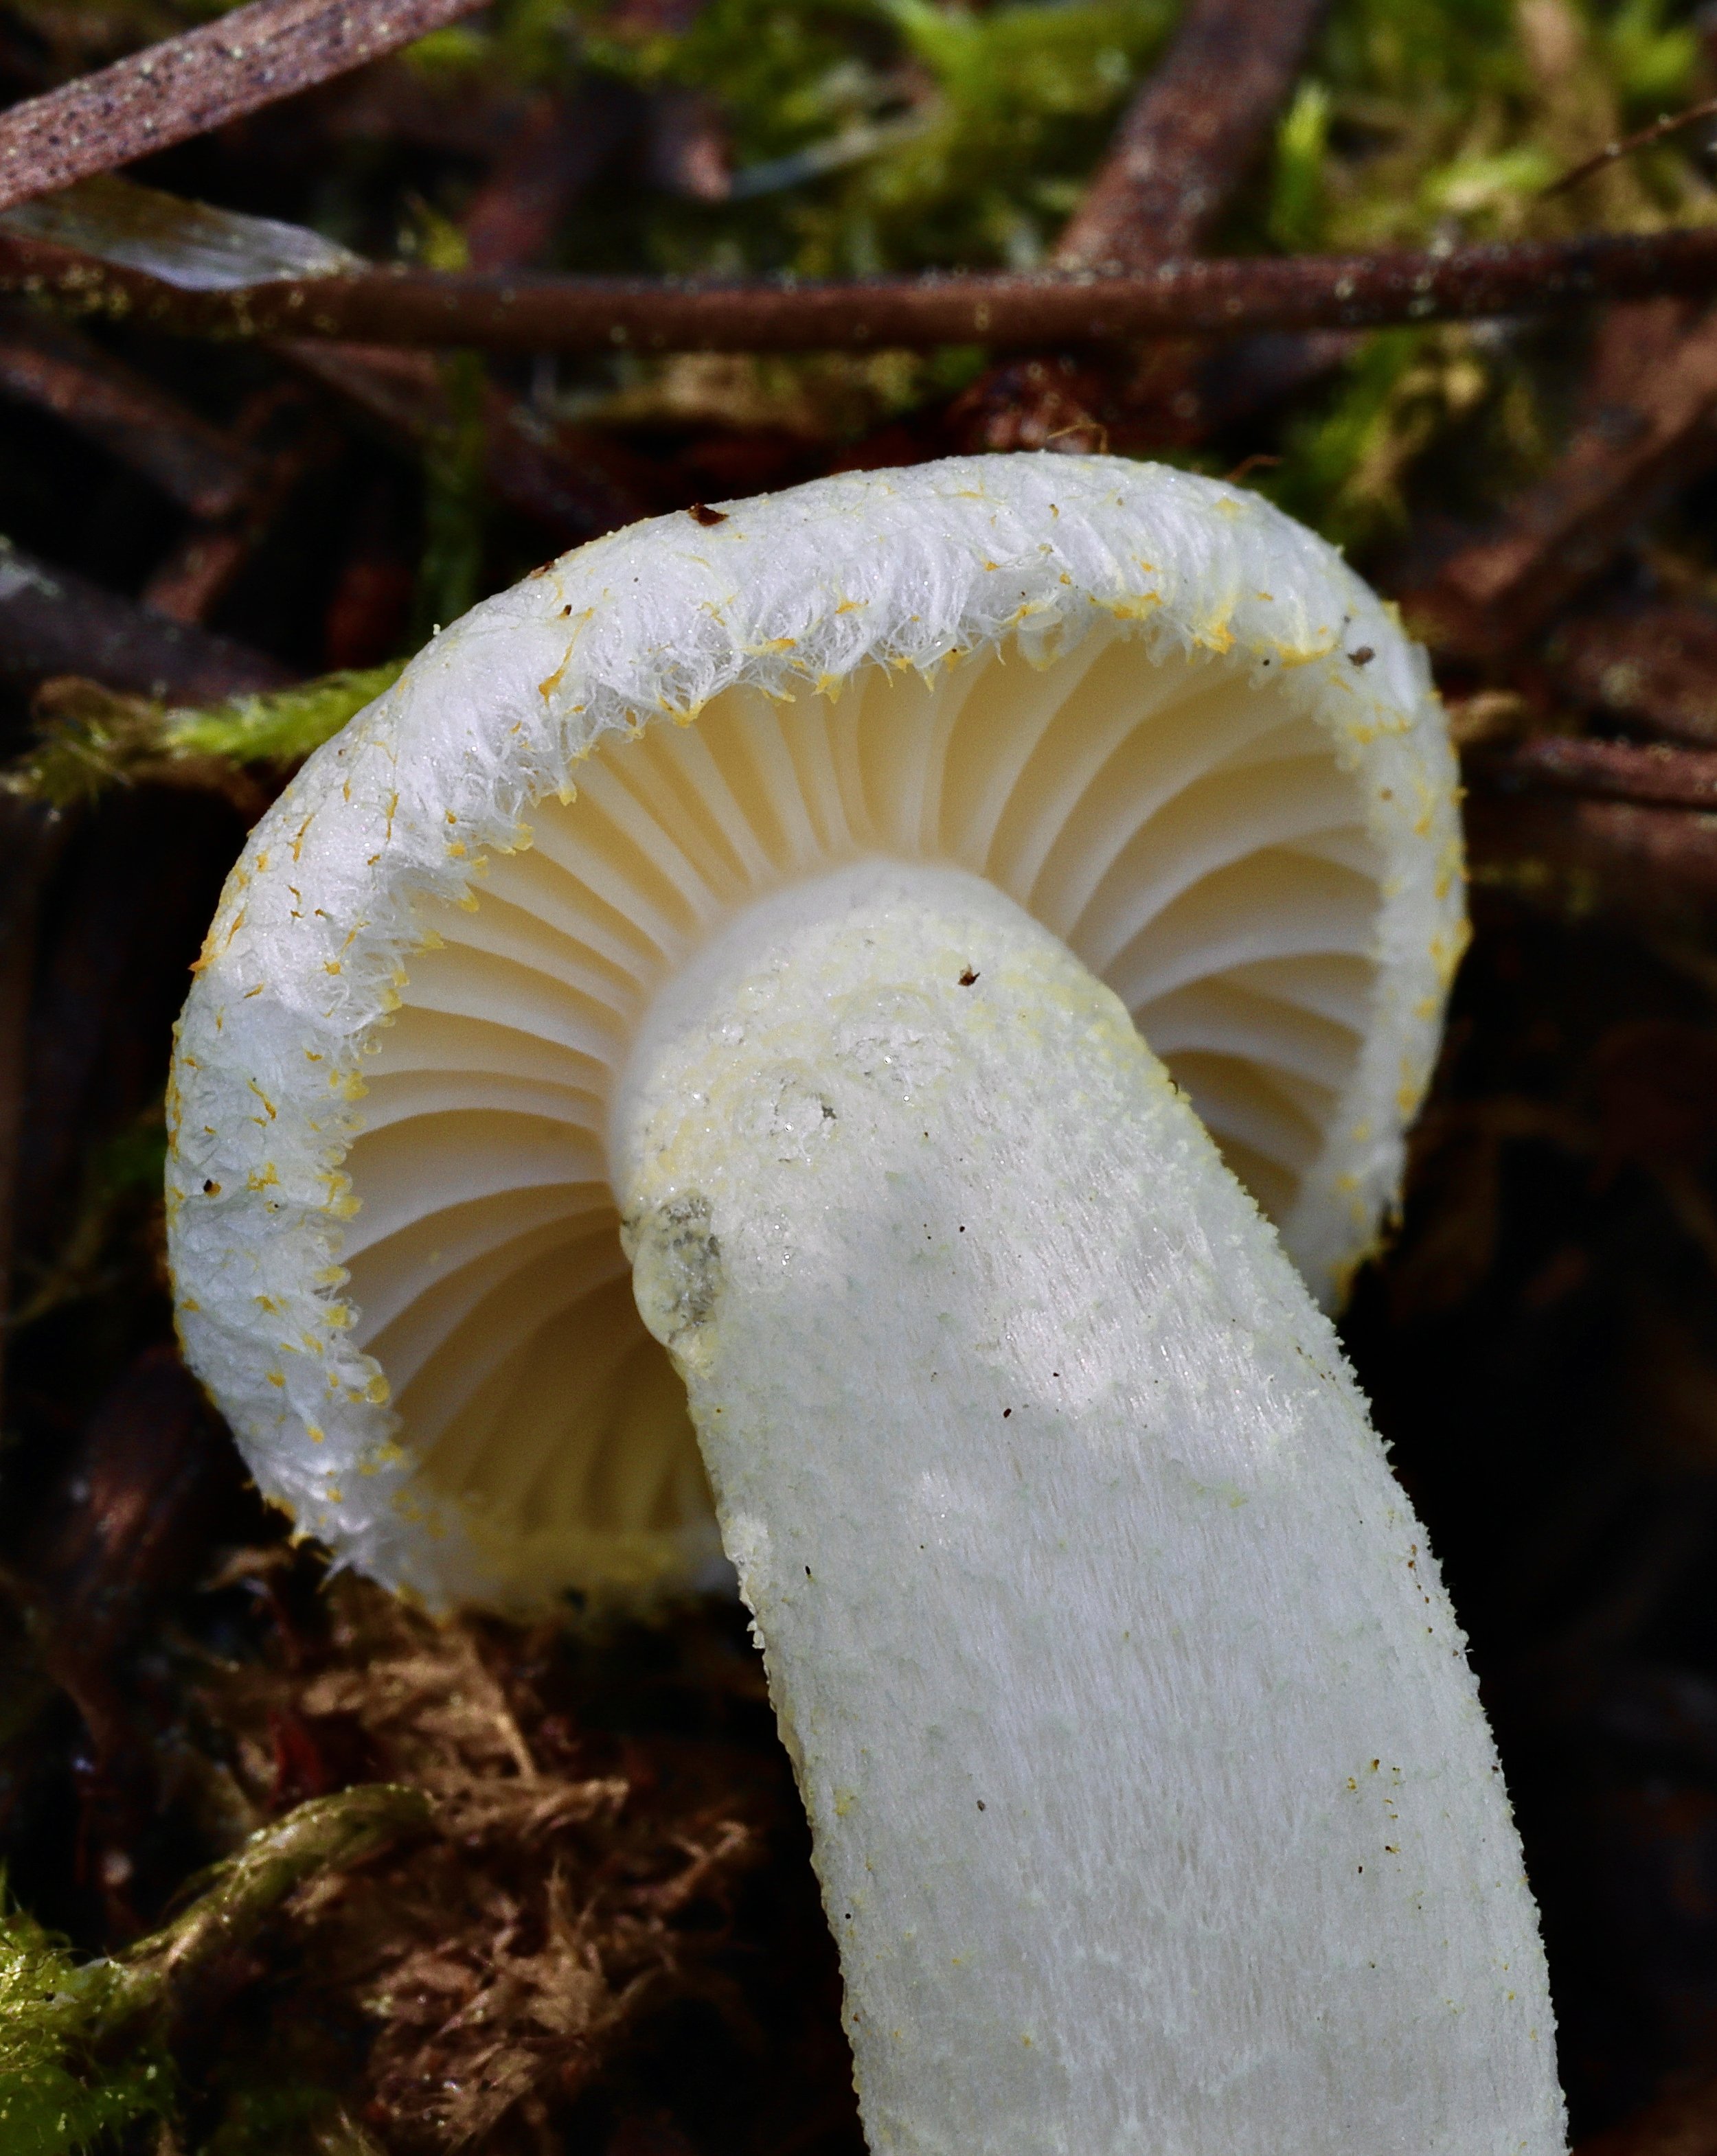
[1151, 1798]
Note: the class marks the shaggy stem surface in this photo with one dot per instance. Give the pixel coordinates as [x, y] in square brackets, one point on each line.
[1152, 1801]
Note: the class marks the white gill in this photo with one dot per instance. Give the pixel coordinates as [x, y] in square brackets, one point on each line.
[1187, 831]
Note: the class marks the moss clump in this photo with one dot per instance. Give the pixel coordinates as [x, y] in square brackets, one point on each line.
[283, 726]
[63, 2086]
[90, 738]
[83, 2050]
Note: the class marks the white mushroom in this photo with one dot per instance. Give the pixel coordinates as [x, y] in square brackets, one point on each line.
[1151, 1797]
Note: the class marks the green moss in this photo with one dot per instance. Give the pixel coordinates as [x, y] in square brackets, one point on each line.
[82, 2049]
[282, 725]
[1651, 62]
[287, 2119]
[1428, 122]
[1296, 211]
[59, 2090]
[1352, 468]
[91, 738]
[874, 135]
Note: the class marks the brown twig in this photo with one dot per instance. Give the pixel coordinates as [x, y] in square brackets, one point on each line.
[1183, 146]
[391, 100]
[1575, 856]
[1655, 666]
[1579, 824]
[1186, 140]
[53, 621]
[185, 85]
[30, 836]
[1203, 298]
[125, 1524]
[196, 574]
[557, 149]
[1655, 775]
[1642, 139]
[573, 497]
[1646, 424]
[49, 364]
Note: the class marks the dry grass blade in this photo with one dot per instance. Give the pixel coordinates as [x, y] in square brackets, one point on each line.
[185, 85]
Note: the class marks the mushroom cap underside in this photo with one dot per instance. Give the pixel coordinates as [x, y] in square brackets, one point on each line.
[1165, 720]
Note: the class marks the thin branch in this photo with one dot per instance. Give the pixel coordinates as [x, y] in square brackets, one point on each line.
[48, 365]
[53, 622]
[1570, 855]
[1644, 426]
[1204, 298]
[1654, 775]
[564, 479]
[1670, 123]
[1571, 823]
[553, 156]
[30, 837]
[1655, 666]
[185, 85]
[1183, 146]
[1191, 132]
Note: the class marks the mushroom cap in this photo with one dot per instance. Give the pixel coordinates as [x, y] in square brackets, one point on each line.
[1165, 719]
